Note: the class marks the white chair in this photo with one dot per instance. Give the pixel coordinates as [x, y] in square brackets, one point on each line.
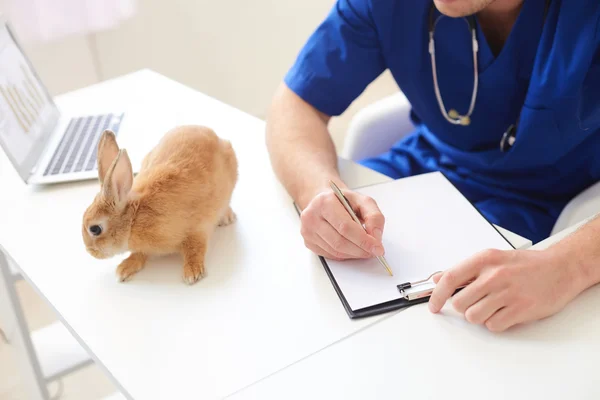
[375, 128]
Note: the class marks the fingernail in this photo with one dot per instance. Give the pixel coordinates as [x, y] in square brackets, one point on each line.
[378, 234]
[377, 251]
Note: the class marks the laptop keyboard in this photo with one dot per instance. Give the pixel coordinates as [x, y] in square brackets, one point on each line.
[78, 147]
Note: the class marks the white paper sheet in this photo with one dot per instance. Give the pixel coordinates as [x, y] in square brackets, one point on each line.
[430, 226]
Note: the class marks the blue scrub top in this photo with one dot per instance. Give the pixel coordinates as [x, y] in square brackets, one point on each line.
[548, 73]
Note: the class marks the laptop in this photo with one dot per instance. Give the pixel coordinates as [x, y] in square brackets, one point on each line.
[44, 145]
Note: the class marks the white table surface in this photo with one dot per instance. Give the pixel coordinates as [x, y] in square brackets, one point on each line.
[414, 354]
[265, 303]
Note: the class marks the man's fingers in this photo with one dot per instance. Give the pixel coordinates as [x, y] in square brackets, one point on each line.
[337, 216]
[329, 226]
[458, 276]
[318, 250]
[338, 243]
[483, 309]
[471, 294]
[503, 319]
[449, 282]
[312, 228]
[333, 253]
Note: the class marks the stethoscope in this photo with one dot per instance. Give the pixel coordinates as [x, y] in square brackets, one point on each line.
[452, 116]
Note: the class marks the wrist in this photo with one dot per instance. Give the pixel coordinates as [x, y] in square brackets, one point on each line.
[317, 187]
[580, 269]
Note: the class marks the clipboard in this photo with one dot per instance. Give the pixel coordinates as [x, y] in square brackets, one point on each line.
[377, 309]
[411, 292]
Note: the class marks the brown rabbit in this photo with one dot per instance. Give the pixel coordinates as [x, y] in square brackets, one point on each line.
[180, 195]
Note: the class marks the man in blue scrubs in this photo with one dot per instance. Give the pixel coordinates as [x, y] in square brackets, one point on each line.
[537, 94]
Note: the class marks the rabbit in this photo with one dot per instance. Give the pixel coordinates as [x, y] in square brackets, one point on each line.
[180, 195]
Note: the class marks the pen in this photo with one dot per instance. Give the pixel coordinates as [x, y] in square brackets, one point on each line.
[348, 208]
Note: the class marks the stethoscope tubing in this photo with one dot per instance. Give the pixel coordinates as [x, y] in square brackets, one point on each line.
[460, 119]
[509, 136]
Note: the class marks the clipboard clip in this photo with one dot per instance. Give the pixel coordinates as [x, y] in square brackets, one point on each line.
[424, 292]
[417, 294]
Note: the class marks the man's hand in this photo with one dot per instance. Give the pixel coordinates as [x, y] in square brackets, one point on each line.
[508, 287]
[329, 230]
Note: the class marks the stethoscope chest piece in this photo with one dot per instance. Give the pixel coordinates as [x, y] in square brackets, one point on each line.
[463, 120]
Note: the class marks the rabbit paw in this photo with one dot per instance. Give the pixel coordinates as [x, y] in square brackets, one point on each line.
[194, 249]
[228, 218]
[130, 266]
[193, 272]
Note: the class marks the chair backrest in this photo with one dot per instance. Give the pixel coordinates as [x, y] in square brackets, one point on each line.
[583, 206]
[377, 127]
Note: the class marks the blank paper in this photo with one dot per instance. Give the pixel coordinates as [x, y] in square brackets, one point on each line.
[430, 226]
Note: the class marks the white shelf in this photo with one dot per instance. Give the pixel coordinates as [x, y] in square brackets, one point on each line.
[58, 352]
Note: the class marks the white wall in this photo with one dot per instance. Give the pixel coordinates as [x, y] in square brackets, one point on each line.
[234, 50]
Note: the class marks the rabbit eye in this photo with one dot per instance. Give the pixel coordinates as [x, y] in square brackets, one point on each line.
[95, 230]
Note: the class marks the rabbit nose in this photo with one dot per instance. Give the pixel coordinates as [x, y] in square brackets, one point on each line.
[94, 252]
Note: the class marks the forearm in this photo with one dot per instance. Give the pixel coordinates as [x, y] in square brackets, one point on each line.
[581, 252]
[301, 151]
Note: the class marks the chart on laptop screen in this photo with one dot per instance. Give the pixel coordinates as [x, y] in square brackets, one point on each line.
[24, 105]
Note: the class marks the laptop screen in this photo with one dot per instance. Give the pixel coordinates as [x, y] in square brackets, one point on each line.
[27, 112]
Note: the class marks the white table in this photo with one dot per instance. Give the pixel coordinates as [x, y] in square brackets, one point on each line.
[265, 303]
[414, 354]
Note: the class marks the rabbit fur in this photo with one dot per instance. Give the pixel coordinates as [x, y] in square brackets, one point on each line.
[182, 192]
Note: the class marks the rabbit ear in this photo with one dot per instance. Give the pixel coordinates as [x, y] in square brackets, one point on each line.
[107, 152]
[119, 179]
